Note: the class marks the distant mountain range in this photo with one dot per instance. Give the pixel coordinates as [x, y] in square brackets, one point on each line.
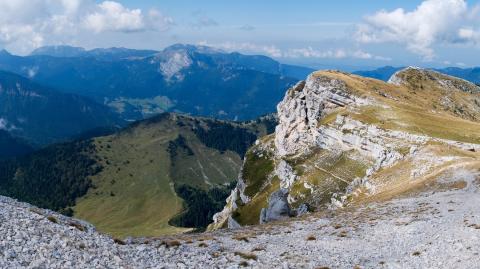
[42, 115]
[100, 53]
[139, 83]
[384, 73]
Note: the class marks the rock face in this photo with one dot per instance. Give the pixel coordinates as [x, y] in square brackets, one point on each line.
[302, 107]
[286, 175]
[171, 63]
[341, 137]
[278, 208]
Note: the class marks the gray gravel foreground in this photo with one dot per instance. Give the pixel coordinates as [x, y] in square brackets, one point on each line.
[436, 230]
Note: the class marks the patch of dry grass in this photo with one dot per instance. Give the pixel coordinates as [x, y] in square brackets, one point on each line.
[78, 226]
[241, 237]
[258, 248]
[246, 255]
[311, 238]
[170, 243]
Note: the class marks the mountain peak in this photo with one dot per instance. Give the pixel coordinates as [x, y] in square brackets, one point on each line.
[193, 48]
[58, 51]
[419, 78]
[4, 52]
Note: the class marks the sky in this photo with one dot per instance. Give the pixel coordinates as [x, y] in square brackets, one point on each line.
[350, 34]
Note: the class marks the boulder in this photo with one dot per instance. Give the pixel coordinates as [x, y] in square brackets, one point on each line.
[278, 208]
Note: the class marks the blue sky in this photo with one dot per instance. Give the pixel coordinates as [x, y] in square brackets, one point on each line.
[347, 34]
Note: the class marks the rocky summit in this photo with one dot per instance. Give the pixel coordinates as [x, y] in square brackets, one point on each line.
[359, 173]
[344, 140]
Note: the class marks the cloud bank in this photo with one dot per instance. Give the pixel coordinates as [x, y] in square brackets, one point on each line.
[28, 24]
[307, 52]
[432, 22]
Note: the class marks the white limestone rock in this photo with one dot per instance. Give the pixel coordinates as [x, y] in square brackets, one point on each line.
[286, 175]
[301, 109]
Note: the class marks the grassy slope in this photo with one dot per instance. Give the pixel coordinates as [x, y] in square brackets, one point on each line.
[326, 173]
[417, 107]
[136, 173]
[134, 194]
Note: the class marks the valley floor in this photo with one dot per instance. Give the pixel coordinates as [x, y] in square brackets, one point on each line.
[436, 229]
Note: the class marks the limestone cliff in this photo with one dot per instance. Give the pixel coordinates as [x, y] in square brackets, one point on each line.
[343, 139]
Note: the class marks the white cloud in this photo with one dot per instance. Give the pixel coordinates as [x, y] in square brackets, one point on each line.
[113, 16]
[308, 52]
[28, 24]
[432, 22]
[269, 50]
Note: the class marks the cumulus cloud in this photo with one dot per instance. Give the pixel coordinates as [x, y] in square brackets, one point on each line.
[113, 16]
[28, 24]
[432, 22]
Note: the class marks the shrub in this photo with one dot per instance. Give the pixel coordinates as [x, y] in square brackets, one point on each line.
[119, 241]
[78, 226]
[52, 219]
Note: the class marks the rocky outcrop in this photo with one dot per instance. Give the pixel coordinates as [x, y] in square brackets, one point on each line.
[340, 136]
[418, 75]
[397, 78]
[172, 63]
[286, 175]
[302, 108]
[278, 208]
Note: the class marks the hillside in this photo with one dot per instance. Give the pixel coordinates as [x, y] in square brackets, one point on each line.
[384, 73]
[439, 229]
[109, 54]
[41, 115]
[11, 146]
[344, 140]
[163, 175]
[377, 174]
[137, 84]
